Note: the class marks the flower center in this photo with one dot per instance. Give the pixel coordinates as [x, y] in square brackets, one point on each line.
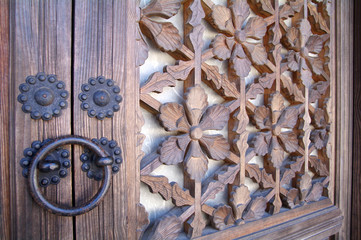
[101, 98]
[196, 133]
[44, 96]
[240, 36]
[276, 130]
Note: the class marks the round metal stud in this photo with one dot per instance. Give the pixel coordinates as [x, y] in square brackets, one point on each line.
[42, 95]
[100, 98]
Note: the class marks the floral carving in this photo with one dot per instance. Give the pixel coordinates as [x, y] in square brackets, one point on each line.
[234, 42]
[191, 120]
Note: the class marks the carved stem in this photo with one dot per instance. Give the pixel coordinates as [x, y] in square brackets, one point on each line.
[278, 59]
[243, 134]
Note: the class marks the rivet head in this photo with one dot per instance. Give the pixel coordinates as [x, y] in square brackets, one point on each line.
[101, 98]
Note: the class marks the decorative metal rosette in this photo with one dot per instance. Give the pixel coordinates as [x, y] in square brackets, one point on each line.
[89, 159]
[43, 96]
[100, 97]
[52, 168]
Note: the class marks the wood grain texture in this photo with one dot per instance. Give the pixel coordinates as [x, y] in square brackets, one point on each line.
[344, 76]
[105, 45]
[5, 222]
[356, 156]
[41, 42]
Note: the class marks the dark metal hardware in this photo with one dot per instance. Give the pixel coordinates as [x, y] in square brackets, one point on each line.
[46, 158]
[100, 97]
[43, 96]
[92, 165]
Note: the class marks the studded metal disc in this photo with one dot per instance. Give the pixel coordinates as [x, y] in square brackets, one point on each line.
[89, 159]
[100, 97]
[43, 96]
[52, 168]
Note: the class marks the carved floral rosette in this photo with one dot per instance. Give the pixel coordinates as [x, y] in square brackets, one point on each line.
[279, 122]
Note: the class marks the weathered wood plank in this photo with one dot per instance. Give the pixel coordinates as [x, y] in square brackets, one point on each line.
[4, 120]
[41, 42]
[105, 46]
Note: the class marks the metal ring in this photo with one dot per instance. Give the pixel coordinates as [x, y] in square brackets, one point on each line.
[70, 211]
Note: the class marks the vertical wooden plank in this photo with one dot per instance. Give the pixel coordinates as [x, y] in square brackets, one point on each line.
[41, 42]
[356, 162]
[344, 76]
[4, 120]
[105, 46]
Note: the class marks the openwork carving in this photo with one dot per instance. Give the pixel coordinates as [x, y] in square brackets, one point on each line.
[279, 123]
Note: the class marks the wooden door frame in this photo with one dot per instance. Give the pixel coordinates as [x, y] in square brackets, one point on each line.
[343, 28]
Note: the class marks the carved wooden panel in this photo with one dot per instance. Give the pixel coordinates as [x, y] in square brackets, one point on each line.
[277, 127]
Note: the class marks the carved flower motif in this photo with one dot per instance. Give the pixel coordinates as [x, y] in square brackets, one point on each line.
[270, 120]
[191, 121]
[301, 59]
[236, 41]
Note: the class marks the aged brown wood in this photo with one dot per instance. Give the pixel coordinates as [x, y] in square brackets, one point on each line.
[41, 42]
[356, 156]
[5, 86]
[104, 45]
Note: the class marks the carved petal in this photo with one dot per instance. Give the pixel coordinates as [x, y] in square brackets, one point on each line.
[277, 106]
[254, 172]
[260, 143]
[240, 197]
[267, 79]
[293, 39]
[169, 227]
[196, 163]
[165, 34]
[162, 8]
[293, 60]
[173, 117]
[256, 28]
[286, 11]
[181, 70]
[240, 11]
[216, 146]
[317, 64]
[316, 193]
[196, 103]
[289, 140]
[222, 19]
[306, 74]
[305, 185]
[289, 117]
[257, 51]
[262, 116]
[267, 180]
[315, 44]
[158, 184]
[222, 47]
[292, 198]
[240, 62]
[222, 217]
[276, 152]
[318, 137]
[170, 152]
[215, 118]
[257, 209]
[305, 29]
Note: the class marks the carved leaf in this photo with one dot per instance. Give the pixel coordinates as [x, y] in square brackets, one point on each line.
[222, 217]
[277, 35]
[286, 11]
[254, 172]
[197, 13]
[257, 209]
[256, 28]
[198, 223]
[292, 198]
[305, 30]
[164, 34]
[289, 117]
[240, 11]
[196, 163]
[277, 103]
[196, 102]
[158, 184]
[240, 63]
[222, 47]
[266, 6]
[182, 70]
[196, 37]
[277, 153]
[222, 19]
[319, 138]
[319, 118]
[262, 116]
[212, 74]
[240, 197]
[297, 165]
[253, 90]
[257, 51]
[306, 74]
[142, 220]
[156, 82]
[172, 117]
[293, 89]
[316, 193]
[216, 146]
[297, 5]
[267, 80]
[168, 228]
[181, 197]
[162, 8]
[215, 118]
[292, 37]
[287, 176]
[317, 90]
[290, 141]
[267, 180]
[315, 44]
[170, 152]
[230, 89]
[317, 65]
[320, 167]
[305, 185]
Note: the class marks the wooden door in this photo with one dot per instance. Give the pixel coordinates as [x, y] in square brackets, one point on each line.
[227, 124]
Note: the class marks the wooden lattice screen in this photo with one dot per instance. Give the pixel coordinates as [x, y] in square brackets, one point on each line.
[279, 125]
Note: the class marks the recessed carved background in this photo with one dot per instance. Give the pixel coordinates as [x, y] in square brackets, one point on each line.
[236, 106]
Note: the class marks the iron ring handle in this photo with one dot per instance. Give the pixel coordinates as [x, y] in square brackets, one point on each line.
[70, 211]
